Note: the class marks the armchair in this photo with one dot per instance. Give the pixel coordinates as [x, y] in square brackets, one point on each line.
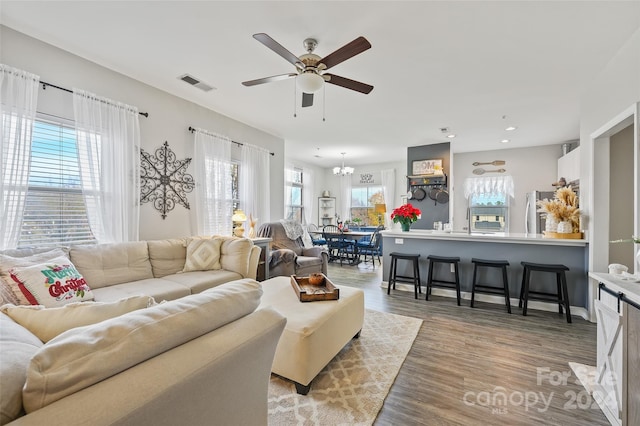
[289, 256]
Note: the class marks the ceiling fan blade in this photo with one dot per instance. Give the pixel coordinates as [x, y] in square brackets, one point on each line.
[307, 99]
[347, 51]
[269, 79]
[278, 48]
[348, 83]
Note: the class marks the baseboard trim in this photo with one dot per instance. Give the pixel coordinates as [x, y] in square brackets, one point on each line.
[488, 298]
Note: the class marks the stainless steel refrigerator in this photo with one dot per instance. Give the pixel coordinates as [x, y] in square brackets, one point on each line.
[534, 221]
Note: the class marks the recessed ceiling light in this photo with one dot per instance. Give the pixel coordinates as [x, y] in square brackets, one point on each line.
[504, 141]
[510, 128]
[451, 136]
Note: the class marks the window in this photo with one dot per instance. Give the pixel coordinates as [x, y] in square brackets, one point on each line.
[294, 184]
[363, 201]
[489, 213]
[54, 212]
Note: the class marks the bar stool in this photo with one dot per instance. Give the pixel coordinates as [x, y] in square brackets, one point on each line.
[394, 277]
[432, 282]
[561, 296]
[485, 288]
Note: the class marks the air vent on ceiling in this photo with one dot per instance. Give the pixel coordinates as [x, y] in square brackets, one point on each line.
[195, 82]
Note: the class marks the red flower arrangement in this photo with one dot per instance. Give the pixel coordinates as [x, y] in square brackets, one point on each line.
[405, 214]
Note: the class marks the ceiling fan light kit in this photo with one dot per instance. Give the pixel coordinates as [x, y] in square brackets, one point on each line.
[310, 76]
[309, 82]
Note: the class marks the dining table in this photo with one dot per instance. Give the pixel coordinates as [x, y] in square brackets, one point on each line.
[354, 236]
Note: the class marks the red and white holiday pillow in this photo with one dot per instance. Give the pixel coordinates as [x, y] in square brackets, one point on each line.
[52, 283]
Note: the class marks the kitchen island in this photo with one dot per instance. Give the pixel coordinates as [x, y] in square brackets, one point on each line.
[512, 247]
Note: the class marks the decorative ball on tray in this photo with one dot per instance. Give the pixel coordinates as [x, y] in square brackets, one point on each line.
[316, 279]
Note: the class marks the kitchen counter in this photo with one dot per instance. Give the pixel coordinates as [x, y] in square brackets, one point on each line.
[513, 238]
[629, 288]
[513, 247]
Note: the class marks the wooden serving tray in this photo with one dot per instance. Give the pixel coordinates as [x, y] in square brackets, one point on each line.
[572, 236]
[310, 293]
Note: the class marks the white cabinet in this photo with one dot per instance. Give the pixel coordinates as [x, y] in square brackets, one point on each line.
[569, 165]
[326, 211]
[616, 388]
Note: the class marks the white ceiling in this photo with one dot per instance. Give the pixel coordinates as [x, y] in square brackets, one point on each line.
[462, 65]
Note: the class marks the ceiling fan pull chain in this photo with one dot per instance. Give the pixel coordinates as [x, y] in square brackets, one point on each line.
[295, 93]
[324, 101]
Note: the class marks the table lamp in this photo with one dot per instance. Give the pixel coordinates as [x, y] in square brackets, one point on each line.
[238, 219]
[380, 209]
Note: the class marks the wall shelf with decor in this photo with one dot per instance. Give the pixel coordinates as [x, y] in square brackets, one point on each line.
[326, 211]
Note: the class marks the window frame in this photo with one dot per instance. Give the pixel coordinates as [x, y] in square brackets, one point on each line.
[295, 211]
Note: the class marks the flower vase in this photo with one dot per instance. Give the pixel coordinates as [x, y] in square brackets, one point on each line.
[551, 224]
[405, 226]
[565, 227]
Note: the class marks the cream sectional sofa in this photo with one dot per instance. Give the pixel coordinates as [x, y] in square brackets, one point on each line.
[204, 357]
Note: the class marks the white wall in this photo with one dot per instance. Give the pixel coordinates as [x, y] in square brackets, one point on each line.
[169, 118]
[616, 89]
[531, 169]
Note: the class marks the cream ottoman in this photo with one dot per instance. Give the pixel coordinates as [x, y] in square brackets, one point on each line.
[315, 331]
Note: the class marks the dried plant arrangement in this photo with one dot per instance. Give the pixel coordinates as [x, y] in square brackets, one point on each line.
[563, 207]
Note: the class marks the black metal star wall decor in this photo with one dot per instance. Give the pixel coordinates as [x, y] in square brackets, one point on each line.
[164, 181]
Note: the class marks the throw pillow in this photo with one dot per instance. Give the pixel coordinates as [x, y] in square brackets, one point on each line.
[203, 255]
[47, 323]
[53, 283]
[7, 262]
[83, 356]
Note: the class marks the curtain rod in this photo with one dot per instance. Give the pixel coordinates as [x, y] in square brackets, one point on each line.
[192, 129]
[45, 84]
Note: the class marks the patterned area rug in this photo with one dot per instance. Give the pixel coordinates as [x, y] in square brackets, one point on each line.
[351, 389]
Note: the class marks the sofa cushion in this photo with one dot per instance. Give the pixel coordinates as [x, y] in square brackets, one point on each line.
[235, 254]
[18, 258]
[47, 323]
[83, 356]
[158, 288]
[198, 281]
[17, 346]
[167, 256]
[203, 254]
[108, 264]
[55, 282]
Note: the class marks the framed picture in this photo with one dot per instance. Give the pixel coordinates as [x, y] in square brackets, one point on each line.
[427, 167]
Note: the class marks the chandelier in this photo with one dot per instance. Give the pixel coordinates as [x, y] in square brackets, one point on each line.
[343, 171]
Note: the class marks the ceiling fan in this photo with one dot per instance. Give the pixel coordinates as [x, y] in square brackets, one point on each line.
[311, 75]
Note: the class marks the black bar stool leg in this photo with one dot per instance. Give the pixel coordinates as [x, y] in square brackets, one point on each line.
[392, 274]
[527, 272]
[457, 283]
[473, 284]
[429, 278]
[507, 298]
[565, 295]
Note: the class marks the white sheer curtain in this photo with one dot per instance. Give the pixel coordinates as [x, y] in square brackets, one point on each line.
[489, 186]
[345, 195]
[18, 98]
[255, 196]
[212, 175]
[108, 134]
[308, 191]
[388, 178]
[288, 178]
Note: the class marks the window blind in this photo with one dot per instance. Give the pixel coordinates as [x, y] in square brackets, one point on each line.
[55, 212]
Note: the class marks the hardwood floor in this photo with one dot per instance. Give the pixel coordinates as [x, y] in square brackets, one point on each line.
[482, 366]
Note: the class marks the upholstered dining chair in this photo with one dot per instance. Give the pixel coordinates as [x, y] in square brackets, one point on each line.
[340, 248]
